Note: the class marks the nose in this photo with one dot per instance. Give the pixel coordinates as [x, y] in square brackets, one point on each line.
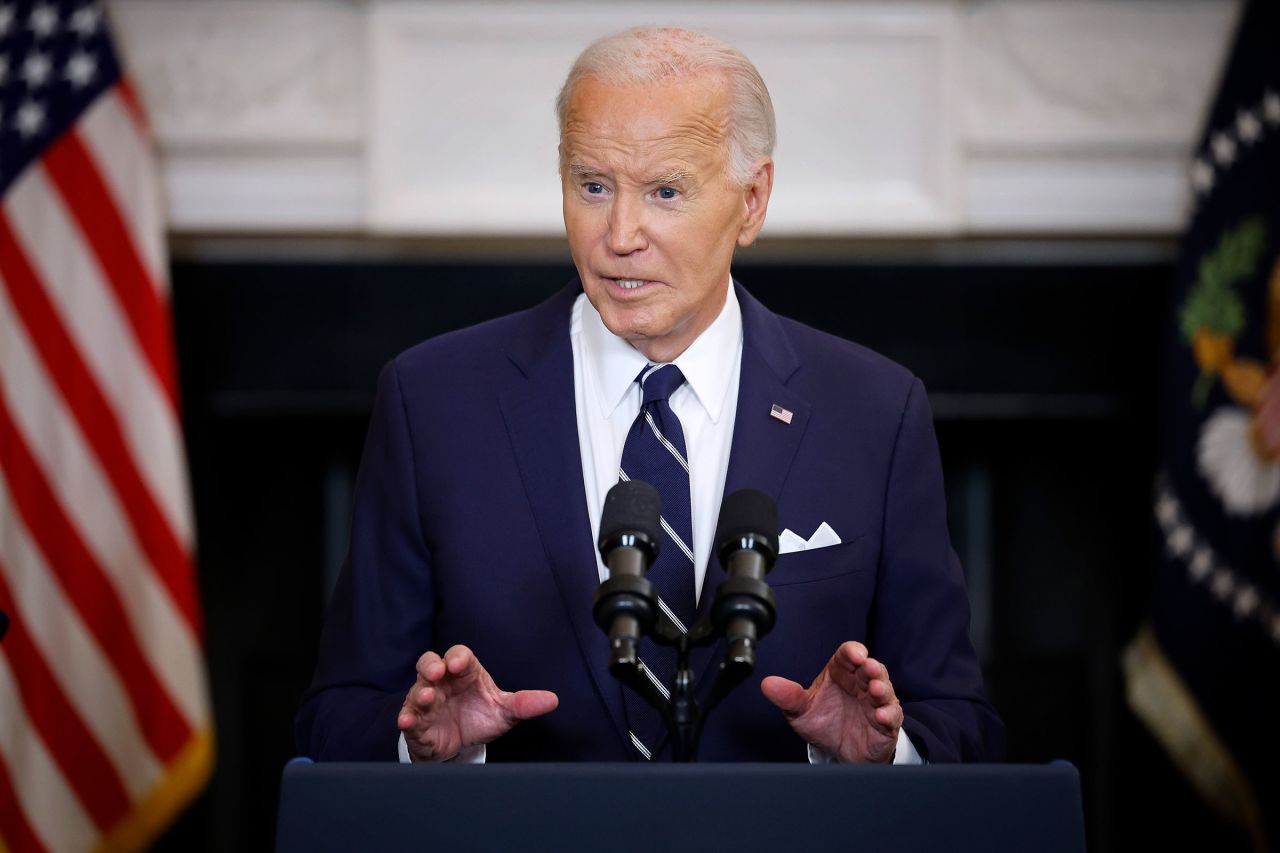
[626, 225]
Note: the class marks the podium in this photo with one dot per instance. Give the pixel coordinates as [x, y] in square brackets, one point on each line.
[705, 807]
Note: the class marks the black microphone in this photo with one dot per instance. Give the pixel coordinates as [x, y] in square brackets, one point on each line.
[4, 624]
[625, 605]
[747, 542]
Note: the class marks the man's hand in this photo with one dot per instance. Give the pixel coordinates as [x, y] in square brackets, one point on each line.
[850, 710]
[454, 703]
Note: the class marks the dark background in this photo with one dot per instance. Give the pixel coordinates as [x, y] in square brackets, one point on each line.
[1044, 381]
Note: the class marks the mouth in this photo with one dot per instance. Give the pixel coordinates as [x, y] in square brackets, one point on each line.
[630, 284]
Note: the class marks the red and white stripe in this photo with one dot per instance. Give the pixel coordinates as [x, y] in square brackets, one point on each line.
[103, 698]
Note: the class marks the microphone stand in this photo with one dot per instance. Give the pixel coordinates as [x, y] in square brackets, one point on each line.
[683, 716]
[626, 607]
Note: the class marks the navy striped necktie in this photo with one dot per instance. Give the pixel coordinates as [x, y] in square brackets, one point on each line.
[655, 453]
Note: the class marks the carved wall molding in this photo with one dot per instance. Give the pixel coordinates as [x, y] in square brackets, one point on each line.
[1061, 75]
[1080, 117]
[928, 118]
[464, 139]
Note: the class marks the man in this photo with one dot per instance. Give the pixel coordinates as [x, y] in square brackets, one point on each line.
[491, 449]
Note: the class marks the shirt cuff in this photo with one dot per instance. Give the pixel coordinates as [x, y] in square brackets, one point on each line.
[469, 754]
[905, 753]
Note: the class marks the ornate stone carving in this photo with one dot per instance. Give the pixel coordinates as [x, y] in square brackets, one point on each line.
[247, 73]
[936, 117]
[1091, 73]
[866, 134]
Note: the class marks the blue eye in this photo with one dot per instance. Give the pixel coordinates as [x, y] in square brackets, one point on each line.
[594, 188]
[667, 193]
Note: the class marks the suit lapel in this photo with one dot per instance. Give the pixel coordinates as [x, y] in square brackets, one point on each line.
[763, 447]
[541, 421]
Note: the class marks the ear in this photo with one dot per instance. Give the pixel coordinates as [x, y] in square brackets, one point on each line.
[755, 199]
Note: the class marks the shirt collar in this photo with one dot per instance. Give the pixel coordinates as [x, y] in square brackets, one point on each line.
[706, 364]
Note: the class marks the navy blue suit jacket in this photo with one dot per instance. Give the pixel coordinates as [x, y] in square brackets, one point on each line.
[470, 526]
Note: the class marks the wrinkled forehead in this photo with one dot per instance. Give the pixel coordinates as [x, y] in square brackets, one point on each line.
[687, 116]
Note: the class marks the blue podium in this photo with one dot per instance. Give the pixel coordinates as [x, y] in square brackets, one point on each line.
[661, 807]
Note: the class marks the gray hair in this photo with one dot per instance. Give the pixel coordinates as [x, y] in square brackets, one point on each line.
[646, 55]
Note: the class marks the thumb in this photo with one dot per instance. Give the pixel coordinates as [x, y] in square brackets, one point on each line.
[784, 693]
[526, 704]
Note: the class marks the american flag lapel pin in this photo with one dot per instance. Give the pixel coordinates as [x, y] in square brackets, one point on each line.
[781, 414]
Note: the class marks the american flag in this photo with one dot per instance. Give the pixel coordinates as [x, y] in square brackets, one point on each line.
[104, 711]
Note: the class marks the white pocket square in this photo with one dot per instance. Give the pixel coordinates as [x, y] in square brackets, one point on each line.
[789, 542]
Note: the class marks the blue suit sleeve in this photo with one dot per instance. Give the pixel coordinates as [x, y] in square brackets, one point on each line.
[920, 628]
[380, 619]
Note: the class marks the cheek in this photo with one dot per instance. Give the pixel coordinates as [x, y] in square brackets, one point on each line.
[583, 225]
[690, 242]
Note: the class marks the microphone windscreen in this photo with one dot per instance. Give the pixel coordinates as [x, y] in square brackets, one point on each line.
[631, 507]
[748, 512]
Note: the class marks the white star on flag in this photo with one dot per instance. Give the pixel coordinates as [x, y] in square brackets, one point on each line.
[1247, 126]
[1180, 540]
[36, 70]
[30, 118]
[44, 20]
[1246, 602]
[80, 69]
[4, 69]
[1201, 176]
[6, 20]
[1271, 108]
[1167, 509]
[1201, 563]
[1222, 584]
[1224, 148]
[84, 21]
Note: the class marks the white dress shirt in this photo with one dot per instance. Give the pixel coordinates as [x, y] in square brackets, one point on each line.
[607, 400]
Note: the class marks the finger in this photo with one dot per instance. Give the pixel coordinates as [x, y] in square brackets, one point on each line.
[430, 667]
[422, 698]
[459, 660]
[846, 664]
[527, 704]
[856, 678]
[890, 716]
[853, 654]
[880, 686]
[416, 705]
[872, 668]
[785, 693]
[406, 719]
[881, 690]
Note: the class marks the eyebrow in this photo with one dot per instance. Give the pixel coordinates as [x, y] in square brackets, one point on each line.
[671, 176]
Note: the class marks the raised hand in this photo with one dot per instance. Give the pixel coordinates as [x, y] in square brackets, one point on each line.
[455, 704]
[850, 710]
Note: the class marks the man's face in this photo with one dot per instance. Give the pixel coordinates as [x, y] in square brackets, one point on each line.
[651, 216]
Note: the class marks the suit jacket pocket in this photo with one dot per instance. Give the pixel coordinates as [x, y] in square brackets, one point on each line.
[856, 555]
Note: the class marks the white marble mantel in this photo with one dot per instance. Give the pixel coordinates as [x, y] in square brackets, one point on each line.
[930, 118]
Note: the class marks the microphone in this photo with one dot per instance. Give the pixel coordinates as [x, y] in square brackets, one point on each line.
[745, 608]
[625, 605]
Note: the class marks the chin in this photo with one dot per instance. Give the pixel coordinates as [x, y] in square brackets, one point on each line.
[628, 330]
